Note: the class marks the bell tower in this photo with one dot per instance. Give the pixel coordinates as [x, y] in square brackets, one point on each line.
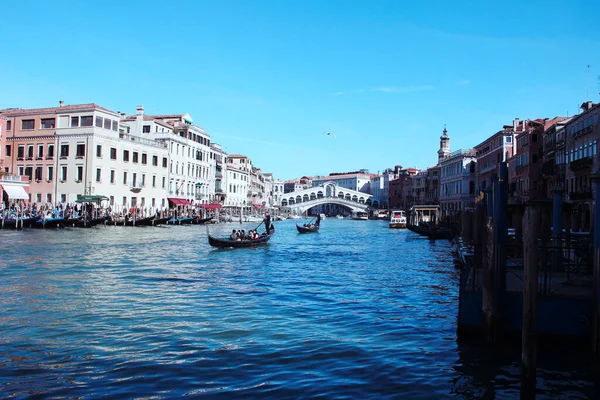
[444, 151]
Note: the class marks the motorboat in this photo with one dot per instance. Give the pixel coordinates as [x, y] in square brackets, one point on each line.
[398, 219]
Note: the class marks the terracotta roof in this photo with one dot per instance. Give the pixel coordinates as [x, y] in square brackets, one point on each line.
[54, 110]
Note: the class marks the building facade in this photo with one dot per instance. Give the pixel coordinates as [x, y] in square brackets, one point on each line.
[457, 181]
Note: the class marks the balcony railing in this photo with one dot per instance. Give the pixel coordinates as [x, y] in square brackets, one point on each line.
[581, 195]
[580, 164]
[11, 178]
[136, 186]
[200, 196]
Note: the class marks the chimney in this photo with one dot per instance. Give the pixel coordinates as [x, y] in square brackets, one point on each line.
[140, 110]
[61, 103]
[515, 123]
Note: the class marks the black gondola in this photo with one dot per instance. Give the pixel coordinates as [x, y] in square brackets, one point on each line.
[430, 231]
[201, 221]
[225, 243]
[160, 221]
[49, 223]
[310, 228]
[82, 223]
[307, 228]
[71, 222]
[11, 223]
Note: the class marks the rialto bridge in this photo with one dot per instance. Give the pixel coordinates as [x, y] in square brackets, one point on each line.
[328, 193]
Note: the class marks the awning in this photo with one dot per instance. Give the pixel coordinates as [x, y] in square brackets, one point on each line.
[179, 202]
[210, 206]
[15, 192]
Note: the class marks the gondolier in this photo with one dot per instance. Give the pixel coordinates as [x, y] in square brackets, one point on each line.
[267, 222]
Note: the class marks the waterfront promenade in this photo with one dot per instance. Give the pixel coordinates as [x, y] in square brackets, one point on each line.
[357, 310]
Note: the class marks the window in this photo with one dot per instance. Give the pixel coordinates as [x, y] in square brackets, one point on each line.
[146, 129]
[50, 173]
[40, 152]
[79, 173]
[27, 124]
[80, 150]
[8, 150]
[107, 123]
[163, 182]
[144, 158]
[153, 181]
[49, 198]
[99, 122]
[164, 162]
[64, 150]
[99, 151]
[38, 173]
[135, 157]
[112, 176]
[50, 152]
[87, 120]
[63, 173]
[534, 138]
[21, 152]
[98, 175]
[9, 125]
[125, 178]
[125, 155]
[155, 161]
[113, 153]
[115, 126]
[21, 170]
[30, 152]
[48, 123]
[74, 122]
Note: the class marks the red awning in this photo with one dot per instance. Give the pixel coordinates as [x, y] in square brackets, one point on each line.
[180, 202]
[210, 206]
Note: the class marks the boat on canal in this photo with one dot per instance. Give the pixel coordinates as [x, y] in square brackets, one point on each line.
[17, 223]
[397, 219]
[228, 243]
[310, 228]
[360, 215]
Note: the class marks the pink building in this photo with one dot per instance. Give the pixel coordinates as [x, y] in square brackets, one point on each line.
[3, 144]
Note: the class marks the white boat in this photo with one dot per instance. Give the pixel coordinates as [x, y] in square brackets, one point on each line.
[280, 218]
[250, 218]
[398, 219]
[296, 217]
[339, 216]
[361, 215]
[322, 216]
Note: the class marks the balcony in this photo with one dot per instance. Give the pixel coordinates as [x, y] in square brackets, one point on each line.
[200, 196]
[580, 195]
[136, 187]
[581, 164]
[218, 190]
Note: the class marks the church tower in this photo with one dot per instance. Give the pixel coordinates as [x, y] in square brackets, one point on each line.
[444, 151]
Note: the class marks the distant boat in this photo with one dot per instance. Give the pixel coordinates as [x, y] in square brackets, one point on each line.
[339, 216]
[398, 219]
[322, 216]
[360, 215]
[310, 228]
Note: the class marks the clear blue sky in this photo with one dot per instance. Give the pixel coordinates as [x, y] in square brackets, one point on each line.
[268, 78]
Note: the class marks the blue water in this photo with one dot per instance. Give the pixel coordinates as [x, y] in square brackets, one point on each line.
[355, 311]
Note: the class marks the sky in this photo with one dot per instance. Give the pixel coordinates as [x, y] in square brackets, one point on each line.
[267, 79]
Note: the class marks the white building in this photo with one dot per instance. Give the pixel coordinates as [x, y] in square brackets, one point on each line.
[220, 157]
[81, 149]
[457, 181]
[380, 187]
[359, 181]
[191, 163]
[278, 187]
[238, 172]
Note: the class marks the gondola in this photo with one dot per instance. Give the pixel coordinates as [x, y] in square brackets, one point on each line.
[11, 223]
[140, 222]
[308, 228]
[160, 221]
[48, 223]
[180, 221]
[225, 243]
[201, 221]
[431, 232]
[82, 223]
[71, 222]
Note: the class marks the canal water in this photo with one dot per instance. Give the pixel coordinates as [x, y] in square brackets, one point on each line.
[355, 311]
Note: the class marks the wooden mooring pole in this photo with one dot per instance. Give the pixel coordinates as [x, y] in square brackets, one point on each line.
[488, 287]
[532, 220]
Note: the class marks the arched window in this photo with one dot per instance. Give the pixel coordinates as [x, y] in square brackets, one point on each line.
[305, 197]
[313, 196]
[298, 199]
[341, 195]
[355, 198]
[319, 194]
